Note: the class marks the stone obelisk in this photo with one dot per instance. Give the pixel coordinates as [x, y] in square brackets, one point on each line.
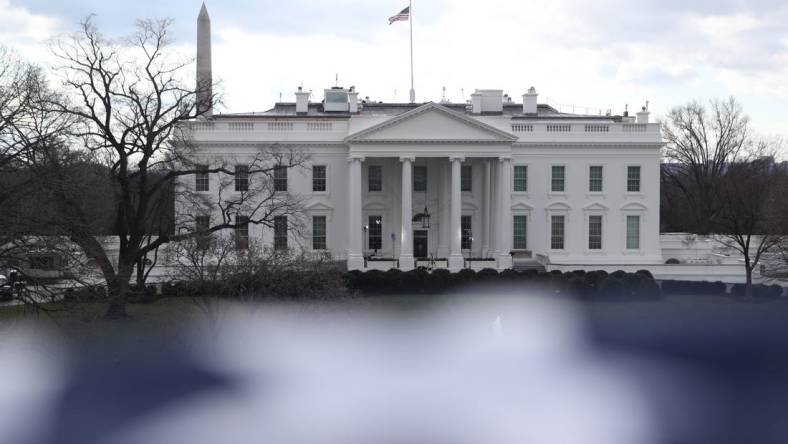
[204, 71]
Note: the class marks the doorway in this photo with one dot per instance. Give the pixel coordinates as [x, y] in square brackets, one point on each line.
[420, 244]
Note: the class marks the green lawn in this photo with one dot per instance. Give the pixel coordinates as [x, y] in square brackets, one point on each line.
[83, 324]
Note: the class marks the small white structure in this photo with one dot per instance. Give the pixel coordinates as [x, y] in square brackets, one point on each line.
[500, 181]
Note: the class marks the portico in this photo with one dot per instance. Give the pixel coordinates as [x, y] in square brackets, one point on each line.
[440, 142]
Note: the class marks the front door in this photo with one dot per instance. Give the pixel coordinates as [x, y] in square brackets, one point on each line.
[420, 243]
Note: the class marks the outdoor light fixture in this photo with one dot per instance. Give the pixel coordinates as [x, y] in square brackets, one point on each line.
[424, 218]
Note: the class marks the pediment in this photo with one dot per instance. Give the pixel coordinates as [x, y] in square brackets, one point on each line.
[319, 206]
[559, 206]
[596, 206]
[522, 206]
[431, 123]
[634, 206]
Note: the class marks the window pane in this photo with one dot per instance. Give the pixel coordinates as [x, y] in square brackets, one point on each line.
[280, 233]
[375, 232]
[319, 232]
[242, 232]
[595, 232]
[557, 232]
[319, 178]
[420, 178]
[202, 223]
[633, 232]
[201, 178]
[595, 179]
[241, 178]
[520, 178]
[467, 233]
[280, 178]
[466, 178]
[557, 182]
[375, 178]
[633, 179]
[520, 232]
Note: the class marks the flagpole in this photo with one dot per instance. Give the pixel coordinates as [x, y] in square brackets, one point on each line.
[412, 89]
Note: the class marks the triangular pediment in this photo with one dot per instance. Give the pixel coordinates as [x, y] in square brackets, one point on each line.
[431, 123]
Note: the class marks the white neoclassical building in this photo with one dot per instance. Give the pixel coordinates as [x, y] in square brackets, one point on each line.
[500, 181]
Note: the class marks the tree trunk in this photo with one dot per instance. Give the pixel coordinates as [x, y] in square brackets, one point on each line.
[119, 289]
[748, 284]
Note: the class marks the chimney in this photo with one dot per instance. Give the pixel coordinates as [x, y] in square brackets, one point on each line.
[204, 79]
[529, 101]
[643, 114]
[302, 101]
[352, 99]
[476, 102]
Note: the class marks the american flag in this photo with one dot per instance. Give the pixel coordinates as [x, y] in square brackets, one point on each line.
[402, 16]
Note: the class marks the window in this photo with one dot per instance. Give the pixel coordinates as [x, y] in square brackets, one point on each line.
[466, 241]
[420, 178]
[242, 232]
[241, 178]
[280, 178]
[201, 178]
[375, 232]
[375, 177]
[595, 179]
[633, 179]
[594, 232]
[556, 232]
[520, 178]
[558, 184]
[41, 262]
[466, 178]
[633, 232]
[319, 178]
[520, 232]
[202, 223]
[280, 233]
[319, 233]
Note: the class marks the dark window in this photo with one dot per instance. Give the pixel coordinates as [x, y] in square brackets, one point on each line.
[633, 232]
[375, 232]
[280, 178]
[594, 232]
[595, 179]
[558, 184]
[280, 233]
[318, 178]
[242, 232]
[319, 233]
[520, 232]
[375, 178]
[420, 178]
[520, 178]
[202, 223]
[42, 262]
[241, 178]
[201, 178]
[466, 241]
[633, 179]
[466, 178]
[557, 232]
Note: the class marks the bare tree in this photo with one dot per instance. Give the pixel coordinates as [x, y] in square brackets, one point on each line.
[752, 216]
[701, 142]
[134, 112]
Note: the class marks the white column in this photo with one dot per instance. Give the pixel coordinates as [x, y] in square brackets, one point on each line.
[406, 261]
[486, 210]
[505, 212]
[444, 220]
[355, 258]
[455, 235]
[493, 213]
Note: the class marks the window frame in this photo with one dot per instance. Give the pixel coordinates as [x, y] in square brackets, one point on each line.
[514, 232]
[320, 239]
[639, 233]
[466, 178]
[202, 180]
[639, 179]
[592, 179]
[241, 232]
[514, 178]
[280, 240]
[369, 178]
[591, 244]
[377, 236]
[278, 180]
[552, 232]
[416, 188]
[241, 178]
[466, 233]
[552, 179]
[324, 179]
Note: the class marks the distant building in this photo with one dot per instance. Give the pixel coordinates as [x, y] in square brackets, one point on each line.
[499, 180]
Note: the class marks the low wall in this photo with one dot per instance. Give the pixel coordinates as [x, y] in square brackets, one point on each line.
[728, 273]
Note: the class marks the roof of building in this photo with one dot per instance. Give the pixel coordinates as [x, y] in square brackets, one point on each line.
[369, 108]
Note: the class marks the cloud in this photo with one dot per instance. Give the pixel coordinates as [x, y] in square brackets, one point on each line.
[20, 26]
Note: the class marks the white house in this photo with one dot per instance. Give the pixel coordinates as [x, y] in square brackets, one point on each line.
[500, 180]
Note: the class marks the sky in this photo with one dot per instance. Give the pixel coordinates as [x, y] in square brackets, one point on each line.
[599, 55]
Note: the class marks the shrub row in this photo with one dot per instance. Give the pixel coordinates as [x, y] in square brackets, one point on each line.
[579, 284]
